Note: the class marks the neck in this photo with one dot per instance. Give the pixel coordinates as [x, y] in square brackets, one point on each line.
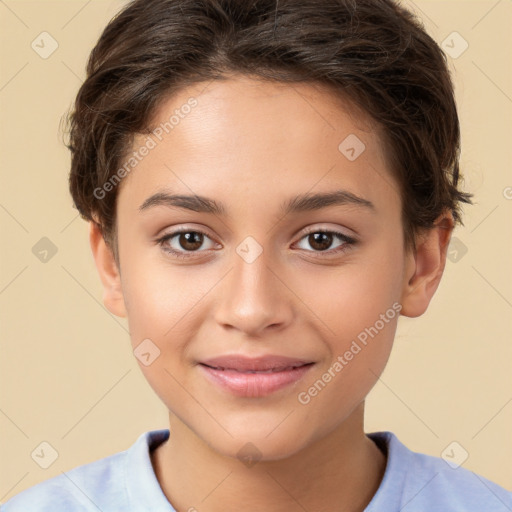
[341, 472]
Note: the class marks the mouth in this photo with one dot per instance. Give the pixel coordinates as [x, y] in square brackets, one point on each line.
[265, 363]
[254, 377]
[269, 370]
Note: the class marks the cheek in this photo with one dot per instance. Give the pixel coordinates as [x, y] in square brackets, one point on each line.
[161, 304]
[353, 297]
[164, 306]
[358, 353]
[362, 323]
[159, 296]
[359, 308]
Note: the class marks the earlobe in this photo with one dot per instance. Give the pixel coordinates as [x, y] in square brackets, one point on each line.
[106, 265]
[424, 268]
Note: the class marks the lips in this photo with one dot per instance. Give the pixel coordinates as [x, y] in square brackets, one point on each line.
[254, 377]
[263, 364]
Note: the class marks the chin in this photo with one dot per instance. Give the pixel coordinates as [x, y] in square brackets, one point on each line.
[256, 444]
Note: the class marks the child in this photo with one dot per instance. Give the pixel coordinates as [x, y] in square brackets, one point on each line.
[269, 186]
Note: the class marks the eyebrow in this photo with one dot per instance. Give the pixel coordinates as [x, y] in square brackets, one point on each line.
[301, 203]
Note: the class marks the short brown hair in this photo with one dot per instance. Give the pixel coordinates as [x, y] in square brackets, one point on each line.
[373, 52]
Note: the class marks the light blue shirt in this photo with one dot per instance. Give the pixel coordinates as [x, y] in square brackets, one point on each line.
[126, 482]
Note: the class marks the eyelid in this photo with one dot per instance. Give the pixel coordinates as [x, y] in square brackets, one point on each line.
[180, 228]
[185, 229]
[320, 229]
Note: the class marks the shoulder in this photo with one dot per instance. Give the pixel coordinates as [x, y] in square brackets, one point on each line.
[99, 485]
[423, 482]
[80, 488]
[76, 489]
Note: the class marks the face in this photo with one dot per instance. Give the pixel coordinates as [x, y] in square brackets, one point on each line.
[319, 282]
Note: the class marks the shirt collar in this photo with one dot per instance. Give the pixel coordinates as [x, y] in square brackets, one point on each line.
[142, 486]
[145, 493]
[389, 493]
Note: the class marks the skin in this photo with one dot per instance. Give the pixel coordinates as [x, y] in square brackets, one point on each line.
[251, 145]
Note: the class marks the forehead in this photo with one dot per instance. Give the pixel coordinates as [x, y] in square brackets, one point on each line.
[259, 111]
[242, 135]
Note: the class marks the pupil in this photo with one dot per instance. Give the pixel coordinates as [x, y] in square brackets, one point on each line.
[317, 241]
[193, 238]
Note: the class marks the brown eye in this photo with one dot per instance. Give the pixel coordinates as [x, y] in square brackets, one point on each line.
[320, 241]
[184, 243]
[190, 240]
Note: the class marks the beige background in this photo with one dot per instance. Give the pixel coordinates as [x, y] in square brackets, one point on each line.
[67, 373]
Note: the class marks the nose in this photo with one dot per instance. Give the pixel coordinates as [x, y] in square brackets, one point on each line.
[254, 297]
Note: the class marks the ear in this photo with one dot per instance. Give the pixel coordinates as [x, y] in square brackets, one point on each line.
[425, 266]
[109, 273]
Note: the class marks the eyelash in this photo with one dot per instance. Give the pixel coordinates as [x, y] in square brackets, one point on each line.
[348, 242]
